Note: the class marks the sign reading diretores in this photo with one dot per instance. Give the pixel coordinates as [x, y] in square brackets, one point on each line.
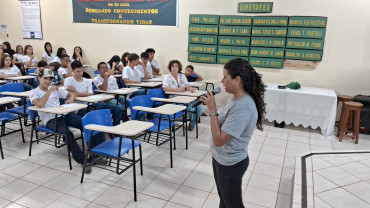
[255, 7]
[127, 12]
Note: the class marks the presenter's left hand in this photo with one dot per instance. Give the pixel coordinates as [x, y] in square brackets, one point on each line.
[209, 100]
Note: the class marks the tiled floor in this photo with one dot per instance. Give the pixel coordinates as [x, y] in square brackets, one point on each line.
[340, 179]
[44, 179]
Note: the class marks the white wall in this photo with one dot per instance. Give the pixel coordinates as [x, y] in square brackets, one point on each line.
[344, 68]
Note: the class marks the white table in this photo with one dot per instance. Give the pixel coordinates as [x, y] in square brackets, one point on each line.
[168, 110]
[3, 82]
[145, 84]
[94, 99]
[16, 79]
[185, 100]
[308, 106]
[62, 110]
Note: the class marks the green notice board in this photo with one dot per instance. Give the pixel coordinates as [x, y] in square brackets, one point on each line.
[203, 39]
[231, 50]
[266, 62]
[310, 55]
[202, 58]
[268, 42]
[270, 21]
[211, 49]
[267, 52]
[255, 7]
[203, 29]
[317, 44]
[225, 59]
[236, 20]
[235, 30]
[307, 21]
[204, 19]
[234, 41]
[300, 32]
[269, 31]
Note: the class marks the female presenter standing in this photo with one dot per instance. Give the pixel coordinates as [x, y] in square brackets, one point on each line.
[232, 126]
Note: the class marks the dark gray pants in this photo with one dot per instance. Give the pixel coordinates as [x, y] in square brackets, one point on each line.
[229, 183]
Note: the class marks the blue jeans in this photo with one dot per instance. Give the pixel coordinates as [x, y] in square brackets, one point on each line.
[74, 121]
[121, 104]
[27, 87]
[140, 92]
[114, 109]
[229, 183]
[194, 116]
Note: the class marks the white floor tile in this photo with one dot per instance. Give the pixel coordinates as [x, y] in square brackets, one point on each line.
[340, 198]
[264, 182]
[147, 202]
[16, 189]
[200, 182]
[68, 201]
[260, 197]
[161, 189]
[189, 197]
[64, 183]
[41, 175]
[361, 190]
[115, 197]
[40, 197]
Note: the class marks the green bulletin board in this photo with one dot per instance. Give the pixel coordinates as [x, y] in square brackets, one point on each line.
[265, 41]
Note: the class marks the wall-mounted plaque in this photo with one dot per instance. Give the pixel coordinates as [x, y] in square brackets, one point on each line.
[267, 52]
[310, 55]
[236, 20]
[231, 50]
[268, 42]
[235, 30]
[203, 29]
[269, 31]
[211, 49]
[270, 21]
[255, 7]
[301, 43]
[203, 39]
[308, 21]
[266, 62]
[234, 41]
[300, 32]
[225, 59]
[204, 19]
[202, 58]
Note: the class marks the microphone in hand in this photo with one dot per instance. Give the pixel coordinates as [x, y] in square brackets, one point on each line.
[214, 92]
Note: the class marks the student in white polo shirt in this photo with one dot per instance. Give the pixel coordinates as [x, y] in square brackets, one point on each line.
[131, 74]
[105, 81]
[47, 96]
[144, 64]
[82, 87]
[65, 69]
[153, 62]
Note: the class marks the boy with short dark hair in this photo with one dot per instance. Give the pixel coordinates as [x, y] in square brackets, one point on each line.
[144, 64]
[191, 75]
[153, 63]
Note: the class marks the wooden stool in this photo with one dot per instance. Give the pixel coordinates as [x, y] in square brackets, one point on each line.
[351, 112]
[342, 98]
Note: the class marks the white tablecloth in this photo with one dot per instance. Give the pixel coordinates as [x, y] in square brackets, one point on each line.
[308, 106]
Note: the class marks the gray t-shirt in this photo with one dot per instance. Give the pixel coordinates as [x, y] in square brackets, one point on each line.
[238, 118]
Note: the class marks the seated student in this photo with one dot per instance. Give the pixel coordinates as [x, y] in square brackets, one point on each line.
[82, 87]
[65, 67]
[9, 70]
[131, 73]
[124, 59]
[54, 66]
[153, 62]
[77, 56]
[115, 65]
[8, 49]
[176, 81]
[48, 55]
[17, 57]
[191, 75]
[145, 65]
[29, 60]
[105, 81]
[46, 95]
[60, 51]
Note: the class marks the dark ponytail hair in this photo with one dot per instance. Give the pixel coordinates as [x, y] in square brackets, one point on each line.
[252, 84]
